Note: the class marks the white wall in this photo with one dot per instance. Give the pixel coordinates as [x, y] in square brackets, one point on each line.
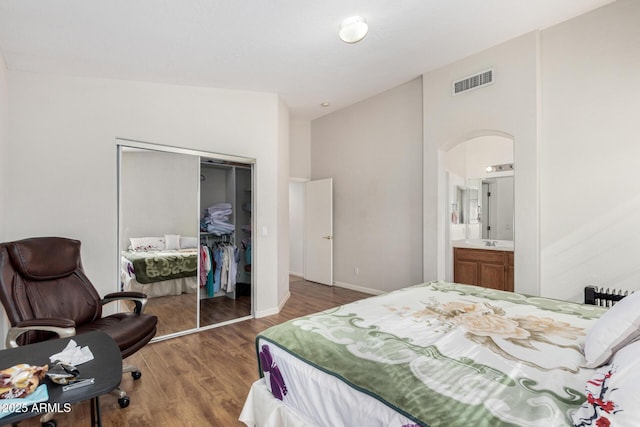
[158, 194]
[4, 129]
[589, 176]
[299, 172]
[4, 126]
[508, 108]
[488, 151]
[62, 146]
[300, 149]
[283, 202]
[296, 228]
[373, 152]
[503, 209]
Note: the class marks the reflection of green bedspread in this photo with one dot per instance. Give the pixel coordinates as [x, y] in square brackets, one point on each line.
[152, 267]
[452, 355]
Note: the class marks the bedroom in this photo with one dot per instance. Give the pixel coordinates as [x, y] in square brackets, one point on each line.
[579, 200]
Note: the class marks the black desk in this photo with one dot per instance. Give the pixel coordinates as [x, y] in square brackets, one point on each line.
[106, 368]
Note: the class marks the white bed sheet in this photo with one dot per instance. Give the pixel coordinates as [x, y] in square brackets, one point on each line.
[261, 409]
[343, 405]
[179, 286]
[438, 334]
[182, 285]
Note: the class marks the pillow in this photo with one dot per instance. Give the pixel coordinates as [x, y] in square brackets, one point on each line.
[617, 327]
[172, 242]
[613, 392]
[188, 242]
[147, 243]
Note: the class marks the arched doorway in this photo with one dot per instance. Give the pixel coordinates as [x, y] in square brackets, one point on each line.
[479, 195]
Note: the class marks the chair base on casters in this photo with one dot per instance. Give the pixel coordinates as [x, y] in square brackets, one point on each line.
[123, 399]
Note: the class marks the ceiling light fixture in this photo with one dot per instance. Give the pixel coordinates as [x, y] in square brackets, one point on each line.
[500, 168]
[353, 29]
[325, 104]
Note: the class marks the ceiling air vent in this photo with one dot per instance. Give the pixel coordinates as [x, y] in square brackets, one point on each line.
[473, 82]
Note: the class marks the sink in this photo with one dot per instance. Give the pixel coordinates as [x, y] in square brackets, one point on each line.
[496, 245]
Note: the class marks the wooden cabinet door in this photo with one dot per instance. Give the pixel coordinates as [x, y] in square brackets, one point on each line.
[486, 268]
[492, 276]
[465, 272]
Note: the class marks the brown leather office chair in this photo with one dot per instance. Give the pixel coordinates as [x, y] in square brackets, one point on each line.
[46, 294]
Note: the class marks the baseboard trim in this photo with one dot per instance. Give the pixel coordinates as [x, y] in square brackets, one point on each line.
[359, 288]
[272, 311]
[291, 273]
[267, 312]
[284, 301]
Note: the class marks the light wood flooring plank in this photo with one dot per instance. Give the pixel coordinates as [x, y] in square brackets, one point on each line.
[201, 379]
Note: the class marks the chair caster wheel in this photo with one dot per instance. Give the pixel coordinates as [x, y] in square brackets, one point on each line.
[50, 423]
[124, 401]
[136, 375]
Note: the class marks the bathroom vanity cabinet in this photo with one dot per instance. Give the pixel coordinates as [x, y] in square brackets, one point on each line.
[487, 268]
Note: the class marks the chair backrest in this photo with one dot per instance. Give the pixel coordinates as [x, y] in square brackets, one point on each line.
[42, 277]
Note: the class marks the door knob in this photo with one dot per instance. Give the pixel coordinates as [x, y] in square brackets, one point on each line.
[328, 237]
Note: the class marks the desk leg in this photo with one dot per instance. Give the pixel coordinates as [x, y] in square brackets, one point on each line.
[95, 413]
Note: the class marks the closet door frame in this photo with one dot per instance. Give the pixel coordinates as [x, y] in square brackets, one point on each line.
[244, 161]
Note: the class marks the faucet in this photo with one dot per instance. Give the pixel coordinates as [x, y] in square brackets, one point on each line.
[490, 243]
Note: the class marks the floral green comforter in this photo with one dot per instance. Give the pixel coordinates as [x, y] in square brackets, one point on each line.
[444, 354]
[150, 267]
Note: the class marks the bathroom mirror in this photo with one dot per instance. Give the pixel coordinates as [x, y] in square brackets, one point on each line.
[496, 207]
[481, 201]
[184, 235]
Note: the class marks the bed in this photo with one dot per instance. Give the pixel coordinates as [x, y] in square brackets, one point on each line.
[444, 354]
[160, 272]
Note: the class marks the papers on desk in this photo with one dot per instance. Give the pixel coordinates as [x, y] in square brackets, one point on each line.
[9, 406]
[73, 354]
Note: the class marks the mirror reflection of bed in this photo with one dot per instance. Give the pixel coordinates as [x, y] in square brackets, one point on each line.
[163, 247]
[165, 269]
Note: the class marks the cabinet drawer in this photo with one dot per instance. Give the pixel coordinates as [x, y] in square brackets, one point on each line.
[480, 255]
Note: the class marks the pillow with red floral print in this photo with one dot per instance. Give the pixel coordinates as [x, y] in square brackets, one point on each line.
[617, 327]
[613, 392]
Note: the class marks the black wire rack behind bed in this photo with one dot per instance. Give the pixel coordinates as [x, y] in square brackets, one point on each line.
[602, 297]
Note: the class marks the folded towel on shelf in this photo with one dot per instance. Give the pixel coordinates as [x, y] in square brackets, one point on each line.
[223, 207]
[220, 228]
[215, 219]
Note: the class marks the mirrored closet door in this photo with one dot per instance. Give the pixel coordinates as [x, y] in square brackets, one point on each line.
[184, 233]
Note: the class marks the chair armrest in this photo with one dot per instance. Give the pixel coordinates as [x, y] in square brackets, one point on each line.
[59, 326]
[138, 298]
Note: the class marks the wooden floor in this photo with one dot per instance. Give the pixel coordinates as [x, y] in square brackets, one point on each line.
[178, 312]
[222, 309]
[201, 379]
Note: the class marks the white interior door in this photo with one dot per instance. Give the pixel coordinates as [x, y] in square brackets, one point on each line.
[318, 231]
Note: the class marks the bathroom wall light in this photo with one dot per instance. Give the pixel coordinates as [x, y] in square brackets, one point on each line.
[500, 168]
[353, 29]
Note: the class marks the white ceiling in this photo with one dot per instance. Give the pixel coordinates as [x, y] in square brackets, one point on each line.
[289, 47]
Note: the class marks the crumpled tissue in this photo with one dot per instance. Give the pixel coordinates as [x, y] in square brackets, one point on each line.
[73, 354]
